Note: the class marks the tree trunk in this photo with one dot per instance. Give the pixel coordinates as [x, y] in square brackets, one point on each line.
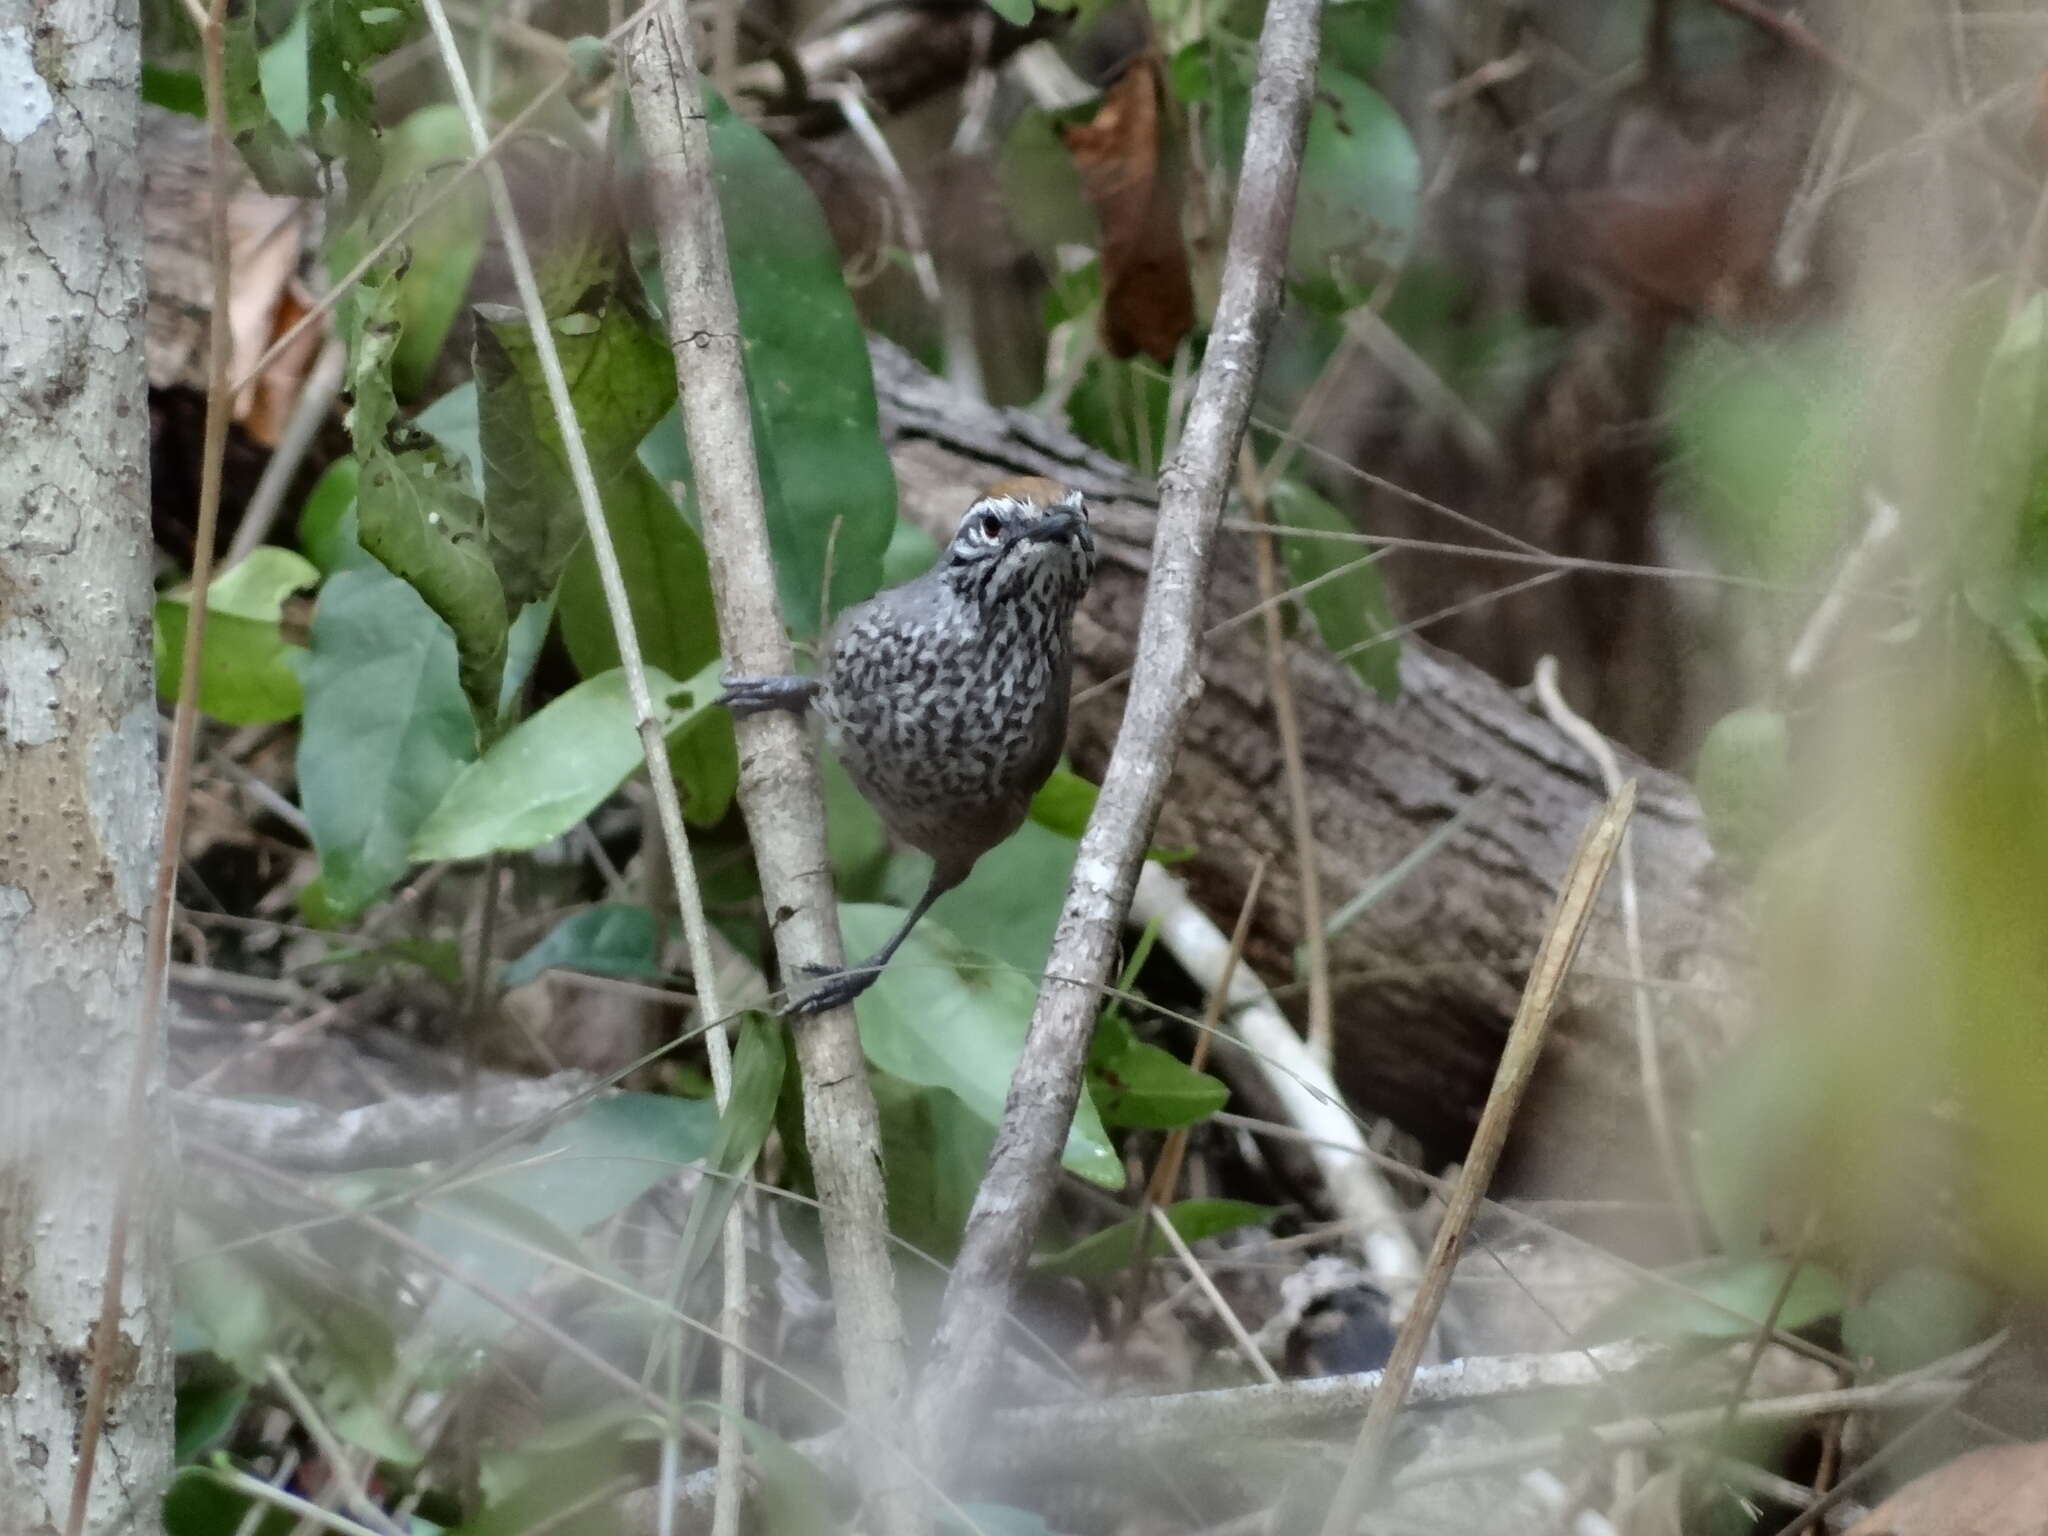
[79, 798]
[1427, 978]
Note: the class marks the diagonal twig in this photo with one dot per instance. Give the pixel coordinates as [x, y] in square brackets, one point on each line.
[1023, 1164]
[1584, 877]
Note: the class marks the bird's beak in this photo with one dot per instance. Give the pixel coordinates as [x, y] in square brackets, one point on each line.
[1057, 524]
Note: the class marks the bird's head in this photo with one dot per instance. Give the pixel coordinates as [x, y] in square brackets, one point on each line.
[1026, 539]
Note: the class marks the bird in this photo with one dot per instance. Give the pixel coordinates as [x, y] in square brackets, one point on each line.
[945, 698]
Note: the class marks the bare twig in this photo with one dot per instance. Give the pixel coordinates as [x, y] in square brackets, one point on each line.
[337, 1455]
[1649, 1051]
[1568, 924]
[1042, 1096]
[653, 745]
[1260, 1365]
[1287, 726]
[780, 792]
[135, 1128]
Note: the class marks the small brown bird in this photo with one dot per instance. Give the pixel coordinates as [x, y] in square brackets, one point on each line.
[946, 697]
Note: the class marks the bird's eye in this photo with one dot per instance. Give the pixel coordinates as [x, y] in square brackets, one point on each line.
[991, 526]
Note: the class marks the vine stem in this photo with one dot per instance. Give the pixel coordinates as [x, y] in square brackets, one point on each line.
[653, 746]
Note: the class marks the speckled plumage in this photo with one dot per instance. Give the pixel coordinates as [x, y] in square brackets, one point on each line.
[946, 697]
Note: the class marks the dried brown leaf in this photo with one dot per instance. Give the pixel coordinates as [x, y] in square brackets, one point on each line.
[1148, 299]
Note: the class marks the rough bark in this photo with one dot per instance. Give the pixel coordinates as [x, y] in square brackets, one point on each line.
[1426, 980]
[78, 791]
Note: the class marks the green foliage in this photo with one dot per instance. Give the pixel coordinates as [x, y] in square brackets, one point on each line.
[1742, 778]
[934, 1149]
[1348, 600]
[1137, 1084]
[1915, 1317]
[386, 730]
[415, 511]
[550, 771]
[608, 940]
[246, 674]
[1110, 1253]
[941, 1016]
[1724, 1298]
[815, 426]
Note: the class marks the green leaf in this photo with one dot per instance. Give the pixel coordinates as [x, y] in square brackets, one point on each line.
[1361, 183]
[1135, 1083]
[418, 155]
[608, 940]
[621, 381]
[934, 1149]
[1912, 1318]
[273, 159]
[1065, 803]
[209, 1402]
[1016, 12]
[758, 1064]
[327, 523]
[940, 1015]
[1744, 770]
[175, 90]
[414, 510]
[386, 730]
[550, 771]
[668, 591]
[282, 67]
[1729, 1298]
[1110, 1252]
[345, 37]
[1349, 601]
[812, 386]
[245, 671]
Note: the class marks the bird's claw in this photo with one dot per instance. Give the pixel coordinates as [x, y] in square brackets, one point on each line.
[751, 695]
[835, 989]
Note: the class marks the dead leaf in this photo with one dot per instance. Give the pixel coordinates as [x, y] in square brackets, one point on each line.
[1148, 299]
[266, 237]
[1999, 1491]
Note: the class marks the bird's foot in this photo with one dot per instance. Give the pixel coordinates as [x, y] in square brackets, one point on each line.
[835, 989]
[752, 695]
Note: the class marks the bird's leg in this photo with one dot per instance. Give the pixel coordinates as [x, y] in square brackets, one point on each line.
[751, 695]
[836, 989]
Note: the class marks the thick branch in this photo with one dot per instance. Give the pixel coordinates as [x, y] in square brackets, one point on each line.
[779, 789]
[1024, 1161]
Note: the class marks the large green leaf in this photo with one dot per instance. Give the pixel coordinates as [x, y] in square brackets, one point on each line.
[386, 730]
[415, 511]
[245, 671]
[1349, 601]
[815, 426]
[266, 148]
[942, 1015]
[934, 1149]
[550, 771]
[620, 381]
[668, 592]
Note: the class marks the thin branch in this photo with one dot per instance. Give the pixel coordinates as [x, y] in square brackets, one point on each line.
[780, 791]
[135, 1128]
[653, 744]
[1649, 1051]
[1024, 1161]
[1287, 726]
[1261, 1366]
[1568, 924]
